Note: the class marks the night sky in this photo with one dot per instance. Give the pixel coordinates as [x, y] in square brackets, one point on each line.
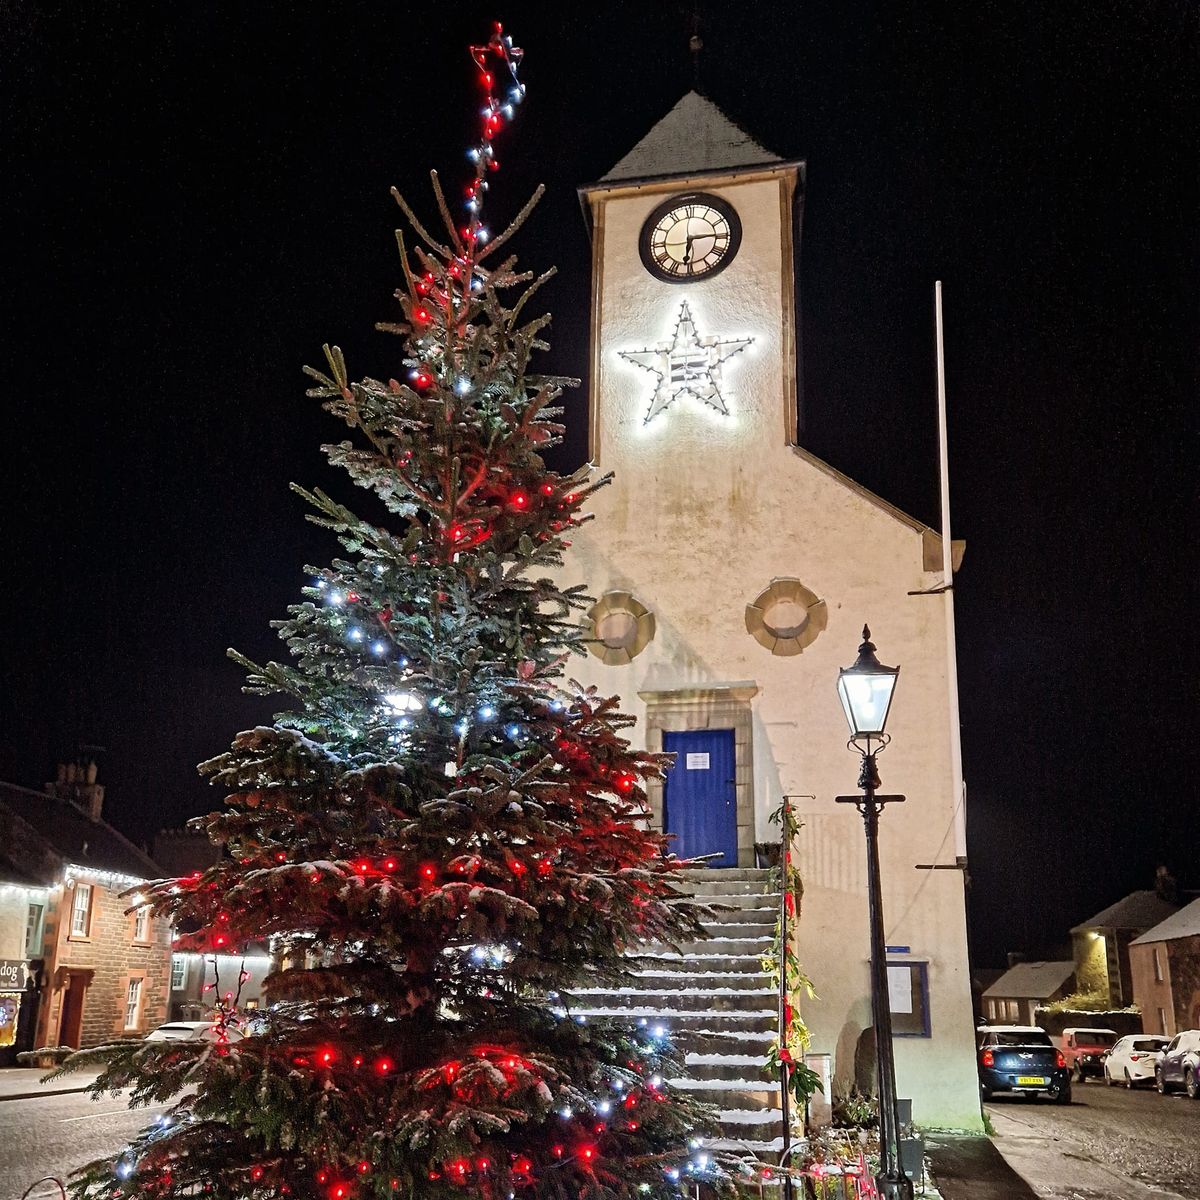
[195, 197]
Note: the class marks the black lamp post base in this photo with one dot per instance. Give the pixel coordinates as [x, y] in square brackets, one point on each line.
[894, 1189]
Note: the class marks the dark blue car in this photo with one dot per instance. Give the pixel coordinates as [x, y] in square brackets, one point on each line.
[1021, 1060]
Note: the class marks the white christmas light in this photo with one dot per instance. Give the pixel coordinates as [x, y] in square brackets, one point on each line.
[604, 1107]
[356, 634]
[487, 713]
[402, 702]
[687, 365]
[379, 648]
[336, 598]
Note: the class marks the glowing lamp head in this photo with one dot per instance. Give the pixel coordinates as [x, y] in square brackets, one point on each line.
[865, 691]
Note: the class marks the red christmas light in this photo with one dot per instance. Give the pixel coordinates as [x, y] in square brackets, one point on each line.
[257, 1173]
[384, 1065]
[326, 1056]
[421, 316]
[520, 500]
[363, 1167]
[587, 1153]
[362, 866]
[547, 489]
[429, 872]
[626, 782]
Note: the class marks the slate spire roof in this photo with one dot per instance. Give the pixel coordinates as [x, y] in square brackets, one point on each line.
[694, 137]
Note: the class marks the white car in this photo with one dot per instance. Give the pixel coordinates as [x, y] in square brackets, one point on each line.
[189, 1031]
[1131, 1060]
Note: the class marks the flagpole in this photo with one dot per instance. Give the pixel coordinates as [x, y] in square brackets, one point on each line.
[956, 769]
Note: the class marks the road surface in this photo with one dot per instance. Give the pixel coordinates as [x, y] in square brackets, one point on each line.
[1109, 1143]
[51, 1135]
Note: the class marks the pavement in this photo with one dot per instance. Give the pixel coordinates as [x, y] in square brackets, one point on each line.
[25, 1083]
[971, 1168]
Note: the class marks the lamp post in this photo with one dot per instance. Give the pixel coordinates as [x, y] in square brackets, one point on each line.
[865, 690]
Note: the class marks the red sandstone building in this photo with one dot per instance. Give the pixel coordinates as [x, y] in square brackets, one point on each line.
[78, 968]
[1165, 963]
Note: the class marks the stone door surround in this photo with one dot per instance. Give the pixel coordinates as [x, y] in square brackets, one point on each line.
[716, 706]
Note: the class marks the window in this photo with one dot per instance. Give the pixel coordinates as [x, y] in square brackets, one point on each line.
[81, 910]
[908, 997]
[141, 925]
[179, 972]
[1158, 966]
[33, 930]
[133, 1004]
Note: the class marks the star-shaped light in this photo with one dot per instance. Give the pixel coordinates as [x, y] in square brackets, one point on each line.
[687, 365]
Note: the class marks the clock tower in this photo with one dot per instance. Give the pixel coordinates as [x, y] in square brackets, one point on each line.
[733, 571]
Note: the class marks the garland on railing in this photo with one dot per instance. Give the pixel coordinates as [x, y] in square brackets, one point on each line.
[781, 962]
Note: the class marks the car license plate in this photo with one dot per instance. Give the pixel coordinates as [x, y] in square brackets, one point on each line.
[1031, 1079]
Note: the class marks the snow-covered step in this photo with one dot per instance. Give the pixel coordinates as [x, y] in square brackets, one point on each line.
[760, 875]
[746, 1094]
[717, 885]
[751, 1002]
[758, 941]
[728, 901]
[743, 981]
[730, 1068]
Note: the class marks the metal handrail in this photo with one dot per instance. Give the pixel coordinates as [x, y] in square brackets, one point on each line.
[46, 1179]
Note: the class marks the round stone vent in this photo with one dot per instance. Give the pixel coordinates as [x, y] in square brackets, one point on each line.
[622, 627]
[786, 617]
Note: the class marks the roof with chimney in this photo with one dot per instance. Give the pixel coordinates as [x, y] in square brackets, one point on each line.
[1184, 923]
[1139, 910]
[1032, 981]
[73, 835]
[693, 138]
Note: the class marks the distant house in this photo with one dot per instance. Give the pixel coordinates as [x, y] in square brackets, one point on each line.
[81, 969]
[1165, 964]
[1023, 987]
[1101, 945]
[198, 981]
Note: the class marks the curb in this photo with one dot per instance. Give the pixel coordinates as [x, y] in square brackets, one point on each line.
[37, 1095]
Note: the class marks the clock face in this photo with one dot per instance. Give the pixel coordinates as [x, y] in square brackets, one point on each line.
[692, 236]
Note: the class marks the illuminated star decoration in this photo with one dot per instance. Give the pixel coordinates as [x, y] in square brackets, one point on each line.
[496, 110]
[687, 365]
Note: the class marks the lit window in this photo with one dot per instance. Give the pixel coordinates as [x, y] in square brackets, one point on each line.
[908, 996]
[141, 925]
[133, 1004]
[1158, 967]
[179, 972]
[33, 930]
[81, 909]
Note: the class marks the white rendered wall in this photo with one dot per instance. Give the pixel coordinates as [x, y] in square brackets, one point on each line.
[704, 512]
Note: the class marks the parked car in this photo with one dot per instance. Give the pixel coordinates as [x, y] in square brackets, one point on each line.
[1179, 1064]
[1131, 1061]
[1085, 1048]
[1022, 1059]
[189, 1031]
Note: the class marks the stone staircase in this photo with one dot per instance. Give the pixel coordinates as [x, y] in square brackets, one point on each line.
[719, 1008]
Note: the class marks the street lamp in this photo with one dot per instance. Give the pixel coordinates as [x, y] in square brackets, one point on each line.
[865, 690]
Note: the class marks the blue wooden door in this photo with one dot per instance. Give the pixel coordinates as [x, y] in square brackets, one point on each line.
[699, 800]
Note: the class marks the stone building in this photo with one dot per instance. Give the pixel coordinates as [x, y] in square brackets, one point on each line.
[1164, 965]
[1100, 946]
[1012, 998]
[734, 571]
[95, 971]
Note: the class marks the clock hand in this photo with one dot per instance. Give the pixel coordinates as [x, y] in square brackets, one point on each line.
[687, 250]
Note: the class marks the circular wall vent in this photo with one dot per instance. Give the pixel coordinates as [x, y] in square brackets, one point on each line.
[622, 627]
[786, 617]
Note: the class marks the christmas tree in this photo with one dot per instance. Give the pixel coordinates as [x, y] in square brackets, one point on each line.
[443, 836]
